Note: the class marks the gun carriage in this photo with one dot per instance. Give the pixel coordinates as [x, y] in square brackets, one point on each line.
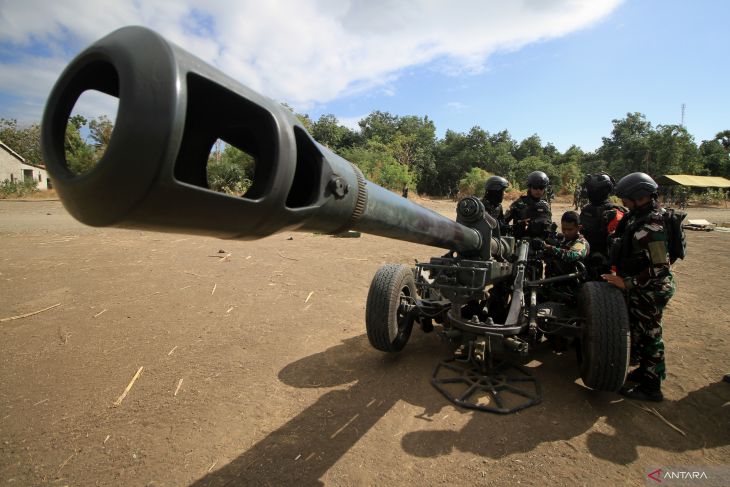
[487, 295]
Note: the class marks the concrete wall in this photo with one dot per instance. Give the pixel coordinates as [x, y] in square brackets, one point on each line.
[14, 169]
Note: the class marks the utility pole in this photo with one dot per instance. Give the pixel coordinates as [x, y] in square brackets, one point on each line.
[683, 107]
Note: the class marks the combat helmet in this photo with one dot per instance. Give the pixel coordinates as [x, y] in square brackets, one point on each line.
[636, 185]
[496, 183]
[537, 179]
[598, 186]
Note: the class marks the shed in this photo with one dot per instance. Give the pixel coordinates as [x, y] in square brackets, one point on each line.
[14, 168]
[693, 181]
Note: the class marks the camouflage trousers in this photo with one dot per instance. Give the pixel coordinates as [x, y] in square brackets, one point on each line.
[646, 306]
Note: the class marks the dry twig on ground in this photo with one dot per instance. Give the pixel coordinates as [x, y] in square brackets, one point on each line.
[129, 388]
[11, 318]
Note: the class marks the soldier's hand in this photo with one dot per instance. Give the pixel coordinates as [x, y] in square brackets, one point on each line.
[614, 280]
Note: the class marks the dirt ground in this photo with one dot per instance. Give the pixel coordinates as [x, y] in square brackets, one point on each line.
[257, 370]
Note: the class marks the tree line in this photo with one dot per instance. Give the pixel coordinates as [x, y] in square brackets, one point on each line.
[396, 151]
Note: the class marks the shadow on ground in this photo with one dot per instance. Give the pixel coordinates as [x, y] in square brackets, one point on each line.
[369, 385]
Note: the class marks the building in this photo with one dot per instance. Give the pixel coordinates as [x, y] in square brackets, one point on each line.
[14, 168]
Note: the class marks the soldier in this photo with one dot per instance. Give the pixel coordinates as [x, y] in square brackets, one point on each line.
[599, 219]
[643, 272]
[571, 248]
[493, 196]
[576, 197]
[562, 259]
[531, 213]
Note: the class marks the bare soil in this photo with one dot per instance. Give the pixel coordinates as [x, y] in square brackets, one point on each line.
[257, 370]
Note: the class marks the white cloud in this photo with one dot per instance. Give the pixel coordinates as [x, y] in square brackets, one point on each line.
[301, 51]
[351, 122]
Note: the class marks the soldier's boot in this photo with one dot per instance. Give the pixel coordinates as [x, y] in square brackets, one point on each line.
[649, 388]
[636, 376]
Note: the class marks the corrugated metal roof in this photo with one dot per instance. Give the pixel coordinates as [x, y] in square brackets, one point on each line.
[697, 181]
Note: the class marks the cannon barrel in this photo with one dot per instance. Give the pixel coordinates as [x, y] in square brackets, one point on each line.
[172, 109]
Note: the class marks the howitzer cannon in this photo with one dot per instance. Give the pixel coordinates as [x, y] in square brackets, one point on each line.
[485, 295]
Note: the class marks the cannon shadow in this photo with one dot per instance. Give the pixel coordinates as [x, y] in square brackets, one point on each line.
[369, 384]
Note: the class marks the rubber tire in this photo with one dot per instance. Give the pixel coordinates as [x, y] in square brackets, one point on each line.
[604, 338]
[386, 332]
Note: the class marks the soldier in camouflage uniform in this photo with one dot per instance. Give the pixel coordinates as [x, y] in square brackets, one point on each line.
[493, 196]
[531, 213]
[562, 259]
[643, 270]
[572, 248]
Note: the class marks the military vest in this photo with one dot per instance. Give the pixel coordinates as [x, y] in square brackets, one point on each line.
[594, 220]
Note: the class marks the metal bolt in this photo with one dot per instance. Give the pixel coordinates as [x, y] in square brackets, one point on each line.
[338, 187]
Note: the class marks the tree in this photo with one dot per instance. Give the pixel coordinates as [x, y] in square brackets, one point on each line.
[378, 165]
[80, 157]
[26, 141]
[453, 159]
[672, 150]
[529, 147]
[329, 132]
[715, 159]
[380, 126]
[100, 131]
[627, 149]
[724, 139]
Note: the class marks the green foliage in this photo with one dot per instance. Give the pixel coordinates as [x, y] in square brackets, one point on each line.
[394, 151]
[232, 173]
[26, 141]
[711, 196]
[328, 131]
[80, 156]
[473, 182]
[18, 189]
[379, 166]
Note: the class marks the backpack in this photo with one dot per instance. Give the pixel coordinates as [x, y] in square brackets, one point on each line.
[676, 242]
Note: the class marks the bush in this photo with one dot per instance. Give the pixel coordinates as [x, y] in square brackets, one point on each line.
[710, 197]
[473, 182]
[18, 188]
[379, 166]
[228, 178]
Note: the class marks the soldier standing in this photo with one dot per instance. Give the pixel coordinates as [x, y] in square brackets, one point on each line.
[531, 213]
[599, 219]
[493, 196]
[644, 273]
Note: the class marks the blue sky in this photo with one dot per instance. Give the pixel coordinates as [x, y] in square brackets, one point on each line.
[562, 69]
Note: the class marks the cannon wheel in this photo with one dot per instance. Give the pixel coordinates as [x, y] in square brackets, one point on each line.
[388, 325]
[603, 353]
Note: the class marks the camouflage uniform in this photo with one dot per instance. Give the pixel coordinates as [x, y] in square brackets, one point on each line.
[496, 211]
[643, 262]
[561, 259]
[525, 208]
[570, 251]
